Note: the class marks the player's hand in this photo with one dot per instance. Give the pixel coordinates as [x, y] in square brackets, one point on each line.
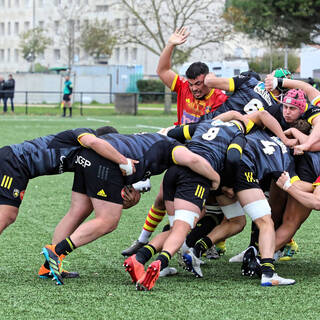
[270, 82]
[284, 181]
[228, 192]
[179, 36]
[298, 150]
[290, 142]
[130, 197]
[128, 168]
[164, 131]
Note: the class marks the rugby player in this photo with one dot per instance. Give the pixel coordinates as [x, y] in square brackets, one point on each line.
[98, 183]
[194, 99]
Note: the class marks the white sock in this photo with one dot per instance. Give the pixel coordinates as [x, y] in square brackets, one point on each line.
[144, 236]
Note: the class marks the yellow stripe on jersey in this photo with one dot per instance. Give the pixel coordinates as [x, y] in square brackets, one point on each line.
[294, 179]
[3, 180]
[315, 101]
[199, 191]
[235, 146]
[249, 126]
[209, 94]
[6, 182]
[186, 132]
[174, 82]
[313, 117]
[81, 135]
[172, 154]
[231, 84]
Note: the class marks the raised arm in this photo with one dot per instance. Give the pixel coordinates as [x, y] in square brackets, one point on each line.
[164, 70]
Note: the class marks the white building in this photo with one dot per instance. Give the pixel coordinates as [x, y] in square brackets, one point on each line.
[17, 16]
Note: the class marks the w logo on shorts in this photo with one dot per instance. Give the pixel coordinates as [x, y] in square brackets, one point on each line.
[6, 182]
[249, 176]
[200, 191]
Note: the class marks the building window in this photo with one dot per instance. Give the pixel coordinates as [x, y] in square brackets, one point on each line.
[56, 26]
[17, 3]
[253, 52]
[56, 54]
[134, 54]
[16, 28]
[102, 8]
[1, 55]
[2, 3]
[26, 25]
[2, 29]
[27, 3]
[9, 28]
[9, 55]
[9, 3]
[117, 55]
[16, 55]
[238, 52]
[40, 4]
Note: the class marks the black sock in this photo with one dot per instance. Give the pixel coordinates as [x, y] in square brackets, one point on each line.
[254, 239]
[267, 266]
[203, 227]
[164, 257]
[145, 253]
[202, 246]
[65, 247]
[64, 111]
[70, 112]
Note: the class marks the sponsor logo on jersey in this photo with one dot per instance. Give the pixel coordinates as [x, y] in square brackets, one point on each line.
[199, 191]
[16, 193]
[22, 194]
[101, 193]
[83, 162]
[283, 147]
[60, 170]
[249, 176]
[261, 91]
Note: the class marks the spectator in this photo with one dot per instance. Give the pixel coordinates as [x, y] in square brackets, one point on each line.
[67, 92]
[9, 86]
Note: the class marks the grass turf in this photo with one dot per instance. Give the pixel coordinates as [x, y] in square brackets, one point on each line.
[104, 290]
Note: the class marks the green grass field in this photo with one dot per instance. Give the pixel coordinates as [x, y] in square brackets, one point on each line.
[104, 290]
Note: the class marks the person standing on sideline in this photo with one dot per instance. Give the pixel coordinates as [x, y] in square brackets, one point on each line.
[67, 92]
[9, 86]
[1, 88]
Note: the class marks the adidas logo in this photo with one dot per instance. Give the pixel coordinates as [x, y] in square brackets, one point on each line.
[101, 193]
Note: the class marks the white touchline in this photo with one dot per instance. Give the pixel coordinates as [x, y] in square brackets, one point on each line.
[99, 120]
[150, 127]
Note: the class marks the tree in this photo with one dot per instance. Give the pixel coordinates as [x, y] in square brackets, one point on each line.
[33, 42]
[286, 22]
[71, 13]
[262, 64]
[151, 22]
[97, 39]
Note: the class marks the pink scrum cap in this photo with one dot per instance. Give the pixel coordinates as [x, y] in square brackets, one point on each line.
[296, 98]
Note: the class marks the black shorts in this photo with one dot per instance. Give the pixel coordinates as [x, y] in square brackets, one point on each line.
[13, 181]
[246, 178]
[98, 177]
[66, 97]
[181, 182]
[305, 169]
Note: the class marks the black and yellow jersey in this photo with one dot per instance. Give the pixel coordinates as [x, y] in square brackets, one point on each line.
[152, 150]
[267, 155]
[211, 139]
[52, 154]
[248, 95]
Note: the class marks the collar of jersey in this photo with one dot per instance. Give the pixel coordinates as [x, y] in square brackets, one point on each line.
[209, 94]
